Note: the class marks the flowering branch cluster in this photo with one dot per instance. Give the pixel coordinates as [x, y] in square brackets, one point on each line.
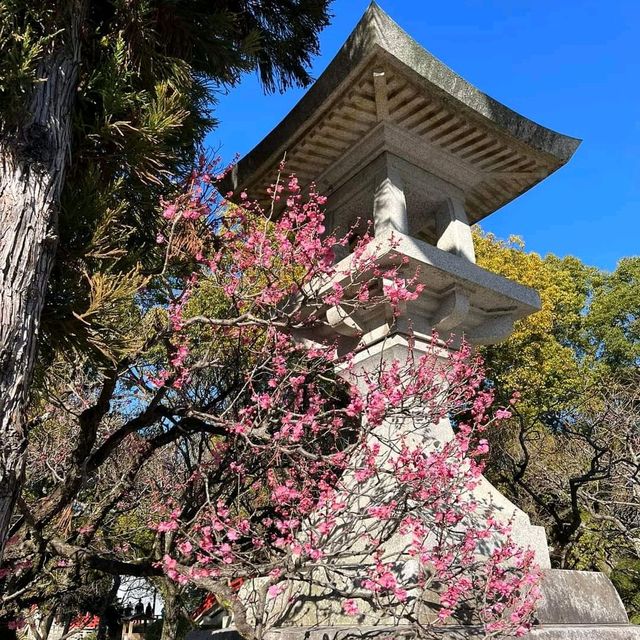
[320, 477]
[243, 447]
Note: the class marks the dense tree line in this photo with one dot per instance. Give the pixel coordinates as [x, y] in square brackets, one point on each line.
[569, 456]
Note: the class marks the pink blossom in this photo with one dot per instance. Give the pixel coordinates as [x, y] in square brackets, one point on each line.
[350, 607]
[16, 624]
[275, 590]
[387, 580]
[185, 548]
[167, 525]
[483, 447]
[169, 211]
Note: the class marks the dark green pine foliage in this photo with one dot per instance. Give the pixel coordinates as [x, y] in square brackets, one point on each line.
[149, 77]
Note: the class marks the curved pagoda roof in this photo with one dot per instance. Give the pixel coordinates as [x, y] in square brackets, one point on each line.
[385, 92]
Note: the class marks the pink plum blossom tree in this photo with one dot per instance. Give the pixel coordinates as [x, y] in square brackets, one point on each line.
[313, 481]
[262, 463]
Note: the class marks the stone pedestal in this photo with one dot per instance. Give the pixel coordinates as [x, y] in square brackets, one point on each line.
[575, 605]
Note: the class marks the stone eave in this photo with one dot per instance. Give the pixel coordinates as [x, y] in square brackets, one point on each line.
[459, 296]
[391, 247]
[377, 41]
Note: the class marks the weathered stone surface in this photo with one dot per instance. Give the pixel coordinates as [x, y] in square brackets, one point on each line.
[572, 597]
[213, 634]
[459, 297]
[585, 632]
[546, 632]
[397, 347]
[369, 632]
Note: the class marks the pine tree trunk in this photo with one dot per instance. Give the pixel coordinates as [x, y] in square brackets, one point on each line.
[32, 167]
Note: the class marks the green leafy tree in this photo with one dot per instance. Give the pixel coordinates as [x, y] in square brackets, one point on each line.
[568, 454]
[613, 321]
[103, 104]
[547, 354]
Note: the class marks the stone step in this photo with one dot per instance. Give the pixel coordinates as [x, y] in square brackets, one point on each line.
[579, 598]
[585, 632]
[544, 632]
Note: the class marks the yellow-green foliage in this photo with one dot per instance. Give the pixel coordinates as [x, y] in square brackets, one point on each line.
[614, 316]
[585, 338]
[547, 354]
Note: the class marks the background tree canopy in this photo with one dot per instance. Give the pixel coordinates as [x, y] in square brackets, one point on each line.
[568, 456]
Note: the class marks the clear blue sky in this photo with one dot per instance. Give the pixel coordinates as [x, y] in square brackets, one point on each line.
[571, 65]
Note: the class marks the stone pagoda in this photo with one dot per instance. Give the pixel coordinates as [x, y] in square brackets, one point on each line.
[390, 134]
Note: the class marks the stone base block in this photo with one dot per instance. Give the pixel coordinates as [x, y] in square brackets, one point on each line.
[546, 632]
[213, 634]
[575, 605]
[579, 598]
[585, 632]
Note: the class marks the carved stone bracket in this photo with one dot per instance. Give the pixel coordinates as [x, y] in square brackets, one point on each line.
[343, 323]
[452, 228]
[453, 310]
[494, 329]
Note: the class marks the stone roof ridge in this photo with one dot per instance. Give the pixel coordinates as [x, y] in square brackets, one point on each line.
[378, 39]
[377, 29]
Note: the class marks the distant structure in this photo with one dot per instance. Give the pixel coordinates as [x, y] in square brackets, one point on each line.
[80, 627]
[135, 621]
[390, 134]
[210, 619]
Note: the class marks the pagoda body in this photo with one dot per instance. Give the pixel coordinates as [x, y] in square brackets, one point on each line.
[390, 134]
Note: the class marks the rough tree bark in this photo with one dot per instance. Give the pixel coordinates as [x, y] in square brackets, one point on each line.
[32, 168]
[171, 612]
[110, 599]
